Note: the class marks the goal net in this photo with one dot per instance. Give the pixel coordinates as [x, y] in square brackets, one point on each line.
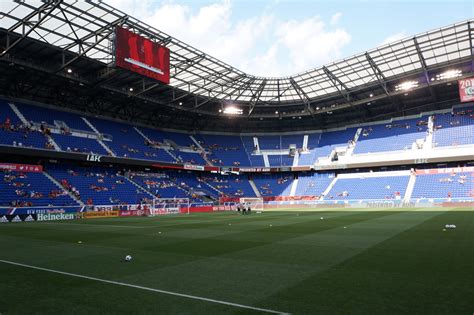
[254, 203]
[162, 206]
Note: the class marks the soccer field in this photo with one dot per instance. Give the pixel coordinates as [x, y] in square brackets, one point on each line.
[361, 262]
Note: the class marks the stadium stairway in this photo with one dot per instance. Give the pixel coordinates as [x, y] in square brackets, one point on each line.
[410, 187]
[18, 113]
[305, 142]
[330, 186]
[55, 182]
[148, 139]
[356, 137]
[220, 192]
[51, 140]
[265, 160]
[139, 186]
[296, 158]
[428, 145]
[255, 189]
[101, 142]
[294, 185]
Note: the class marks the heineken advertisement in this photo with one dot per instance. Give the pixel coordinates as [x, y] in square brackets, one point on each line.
[12, 218]
[56, 216]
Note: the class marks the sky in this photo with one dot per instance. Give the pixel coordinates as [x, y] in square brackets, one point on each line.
[282, 37]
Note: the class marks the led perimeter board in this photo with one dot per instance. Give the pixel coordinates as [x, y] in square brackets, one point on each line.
[141, 55]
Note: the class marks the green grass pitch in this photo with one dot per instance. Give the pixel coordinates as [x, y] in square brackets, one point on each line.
[351, 262]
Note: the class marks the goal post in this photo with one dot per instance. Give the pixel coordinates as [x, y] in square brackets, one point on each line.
[254, 203]
[161, 206]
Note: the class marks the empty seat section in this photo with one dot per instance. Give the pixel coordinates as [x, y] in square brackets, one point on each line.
[313, 184]
[269, 142]
[255, 160]
[395, 136]
[190, 157]
[389, 187]
[288, 140]
[12, 131]
[226, 149]
[274, 184]
[102, 186]
[31, 190]
[49, 116]
[456, 128]
[79, 144]
[455, 185]
[328, 141]
[230, 185]
[127, 142]
[280, 160]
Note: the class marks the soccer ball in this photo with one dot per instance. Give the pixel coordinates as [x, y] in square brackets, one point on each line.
[128, 258]
[322, 218]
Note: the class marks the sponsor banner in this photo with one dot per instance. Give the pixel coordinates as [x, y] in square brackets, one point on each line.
[132, 213]
[101, 214]
[12, 218]
[139, 54]
[94, 158]
[290, 198]
[448, 170]
[466, 90]
[198, 209]
[169, 166]
[27, 168]
[33, 210]
[162, 211]
[300, 168]
[211, 168]
[193, 167]
[105, 208]
[220, 208]
[56, 216]
[254, 169]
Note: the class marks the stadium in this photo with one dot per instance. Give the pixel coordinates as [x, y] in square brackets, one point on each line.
[142, 175]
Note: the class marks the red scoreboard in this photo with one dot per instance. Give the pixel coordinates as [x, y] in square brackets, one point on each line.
[466, 89]
[141, 55]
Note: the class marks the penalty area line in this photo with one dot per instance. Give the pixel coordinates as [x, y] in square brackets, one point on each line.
[193, 297]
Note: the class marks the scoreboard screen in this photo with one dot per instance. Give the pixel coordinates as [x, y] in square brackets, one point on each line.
[466, 89]
[141, 55]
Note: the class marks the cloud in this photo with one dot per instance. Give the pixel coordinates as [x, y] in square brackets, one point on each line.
[309, 43]
[260, 44]
[335, 18]
[394, 38]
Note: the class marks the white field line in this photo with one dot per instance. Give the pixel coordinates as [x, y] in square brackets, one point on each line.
[193, 297]
[97, 225]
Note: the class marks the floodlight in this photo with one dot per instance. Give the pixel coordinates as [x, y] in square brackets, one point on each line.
[449, 74]
[407, 85]
[232, 110]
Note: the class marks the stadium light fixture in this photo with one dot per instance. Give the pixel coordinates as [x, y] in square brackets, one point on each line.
[371, 95]
[220, 110]
[449, 74]
[180, 103]
[232, 110]
[130, 89]
[317, 107]
[69, 70]
[276, 112]
[406, 86]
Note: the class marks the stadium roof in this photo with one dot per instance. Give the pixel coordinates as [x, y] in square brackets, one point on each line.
[203, 84]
